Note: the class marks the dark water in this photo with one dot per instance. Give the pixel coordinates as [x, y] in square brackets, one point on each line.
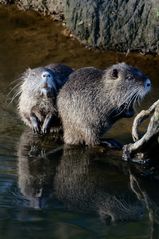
[51, 191]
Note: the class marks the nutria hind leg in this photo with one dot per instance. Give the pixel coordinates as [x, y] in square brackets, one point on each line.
[35, 123]
[81, 135]
[71, 137]
[91, 137]
[111, 143]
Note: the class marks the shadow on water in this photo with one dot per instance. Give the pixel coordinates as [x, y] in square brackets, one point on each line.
[47, 189]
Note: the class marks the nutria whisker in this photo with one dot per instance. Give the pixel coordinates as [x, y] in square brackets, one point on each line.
[130, 100]
[14, 87]
[15, 96]
[14, 81]
[17, 92]
[133, 100]
[122, 204]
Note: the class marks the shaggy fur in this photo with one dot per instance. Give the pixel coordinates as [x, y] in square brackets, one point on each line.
[38, 90]
[92, 100]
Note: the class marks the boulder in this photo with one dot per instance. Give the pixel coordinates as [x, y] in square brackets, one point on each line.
[115, 25]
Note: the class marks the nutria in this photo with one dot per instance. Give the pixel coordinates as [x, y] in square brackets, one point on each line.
[38, 91]
[92, 100]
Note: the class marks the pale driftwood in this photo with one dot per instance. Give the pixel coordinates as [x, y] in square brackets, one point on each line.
[143, 145]
[144, 114]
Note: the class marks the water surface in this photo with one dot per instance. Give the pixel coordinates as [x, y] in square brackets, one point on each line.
[48, 190]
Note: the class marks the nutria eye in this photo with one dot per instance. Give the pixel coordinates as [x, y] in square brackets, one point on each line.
[129, 78]
[115, 73]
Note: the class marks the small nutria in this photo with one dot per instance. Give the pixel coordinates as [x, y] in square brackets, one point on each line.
[38, 92]
[92, 100]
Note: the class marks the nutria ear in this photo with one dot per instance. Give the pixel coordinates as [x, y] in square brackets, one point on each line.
[115, 73]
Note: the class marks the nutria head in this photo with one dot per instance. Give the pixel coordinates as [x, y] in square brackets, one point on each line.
[40, 82]
[126, 86]
[47, 86]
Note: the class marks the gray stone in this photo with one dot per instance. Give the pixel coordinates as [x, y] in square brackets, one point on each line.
[55, 8]
[50, 7]
[116, 25]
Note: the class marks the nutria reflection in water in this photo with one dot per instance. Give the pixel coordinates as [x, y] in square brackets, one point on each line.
[35, 169]
[74, 178]
[84, 184]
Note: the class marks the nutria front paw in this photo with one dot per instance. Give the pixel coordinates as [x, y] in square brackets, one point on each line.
[35, 123]
[45, 129]
[36, 129]
[112, 143]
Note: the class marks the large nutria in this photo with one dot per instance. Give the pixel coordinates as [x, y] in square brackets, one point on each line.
[92, 100]
[38, 92]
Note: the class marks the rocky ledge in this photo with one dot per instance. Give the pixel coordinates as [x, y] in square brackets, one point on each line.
[131, 25]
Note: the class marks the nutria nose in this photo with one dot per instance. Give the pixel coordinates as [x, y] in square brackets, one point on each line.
[45, 76]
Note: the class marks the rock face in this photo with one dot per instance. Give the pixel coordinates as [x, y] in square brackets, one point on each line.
[55, 8]
[115, 25]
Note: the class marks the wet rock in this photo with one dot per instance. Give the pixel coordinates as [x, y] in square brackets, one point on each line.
[117, 25]
[55, 8]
